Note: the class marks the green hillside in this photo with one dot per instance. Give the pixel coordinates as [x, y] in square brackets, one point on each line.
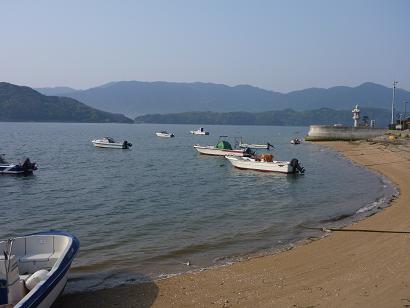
[287, 117]
[19, 103]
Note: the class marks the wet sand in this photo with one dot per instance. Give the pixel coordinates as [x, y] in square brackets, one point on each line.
[345, 269]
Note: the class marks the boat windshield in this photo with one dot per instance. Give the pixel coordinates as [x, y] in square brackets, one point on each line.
[109, 139]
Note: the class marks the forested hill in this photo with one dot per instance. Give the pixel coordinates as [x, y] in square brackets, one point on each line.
[19, 103]
[286, 117]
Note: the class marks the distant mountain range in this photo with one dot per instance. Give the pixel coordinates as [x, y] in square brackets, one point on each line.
[286, 117]
[135, 98]
[53, 91]
[18, 103]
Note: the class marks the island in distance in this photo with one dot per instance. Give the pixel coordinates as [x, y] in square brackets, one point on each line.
[21, 104]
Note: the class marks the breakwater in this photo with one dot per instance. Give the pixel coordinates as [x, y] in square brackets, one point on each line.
[332, 132]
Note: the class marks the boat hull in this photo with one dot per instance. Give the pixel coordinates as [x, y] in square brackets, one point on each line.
[162, 135]
[116, 145]
[218, 152]
[250, 164]
[52, 296]
[194, 132]
[15, 169]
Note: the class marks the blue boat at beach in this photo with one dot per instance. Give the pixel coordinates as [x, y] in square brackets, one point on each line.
[34, 268]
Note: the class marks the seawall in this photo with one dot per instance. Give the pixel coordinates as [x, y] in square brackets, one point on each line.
[331, 133]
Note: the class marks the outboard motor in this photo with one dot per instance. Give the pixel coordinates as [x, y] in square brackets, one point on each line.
[126, 145]
[28, 166]
[249, 153]
[296, 166]
[2, 160]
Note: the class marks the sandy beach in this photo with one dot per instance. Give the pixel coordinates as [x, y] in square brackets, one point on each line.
[345, 269]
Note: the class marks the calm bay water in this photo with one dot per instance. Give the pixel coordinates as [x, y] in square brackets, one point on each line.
[147, 211]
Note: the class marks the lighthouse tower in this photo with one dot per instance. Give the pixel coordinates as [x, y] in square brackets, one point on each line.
[356, 115]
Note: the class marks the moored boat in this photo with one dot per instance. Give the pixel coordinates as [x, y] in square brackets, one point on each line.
[108, 142]
[25, 168]
[200, 131]
[165, 134]
[266, 164]
[34, 268]
[222, 148]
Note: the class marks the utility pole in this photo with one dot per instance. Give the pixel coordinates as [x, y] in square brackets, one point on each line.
[392, 102]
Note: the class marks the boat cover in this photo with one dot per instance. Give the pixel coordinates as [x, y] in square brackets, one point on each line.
[223, 145]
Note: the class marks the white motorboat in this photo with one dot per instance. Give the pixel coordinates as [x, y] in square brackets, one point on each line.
[164, 134]
[25, 168]
[108, 142]
[295, 141]
[222, 148]
[199, 131]
[34, 268]
[266, 164]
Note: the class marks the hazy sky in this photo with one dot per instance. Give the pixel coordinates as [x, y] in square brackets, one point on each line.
[277, 45]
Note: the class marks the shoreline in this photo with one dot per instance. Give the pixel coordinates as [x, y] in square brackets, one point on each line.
[332, 271]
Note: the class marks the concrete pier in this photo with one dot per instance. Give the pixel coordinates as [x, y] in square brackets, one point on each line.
[335, 132]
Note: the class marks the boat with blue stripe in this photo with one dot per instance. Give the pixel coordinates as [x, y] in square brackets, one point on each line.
[34, 268]
[25, 168]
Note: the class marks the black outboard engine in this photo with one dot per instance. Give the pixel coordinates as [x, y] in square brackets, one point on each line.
[249, 153]
[126, 145]
[296, 166]
[28, 166]
[2, 160]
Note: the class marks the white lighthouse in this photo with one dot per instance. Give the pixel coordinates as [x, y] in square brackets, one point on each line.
[356, 115]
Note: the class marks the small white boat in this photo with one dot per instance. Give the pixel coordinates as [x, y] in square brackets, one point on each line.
[267, 165]
[295, 141]
[34, 268]
[222, 148]
[25, 168]
[108, 142]
[164, 134]
[199, 131]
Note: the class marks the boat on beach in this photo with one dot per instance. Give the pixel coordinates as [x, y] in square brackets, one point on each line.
[165, 134]
[222, 148]
[200, 131]
[108, 142]
[25, 168]
[265, 163]
[34, 268]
